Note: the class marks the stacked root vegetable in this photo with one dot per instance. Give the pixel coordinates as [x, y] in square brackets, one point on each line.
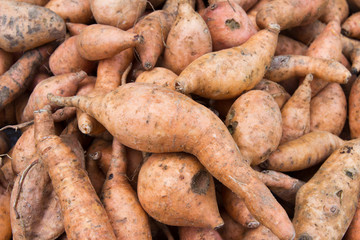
[180, 119]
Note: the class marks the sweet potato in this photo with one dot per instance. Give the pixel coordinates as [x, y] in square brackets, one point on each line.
[288, 66]
[18, 77]
[237, 209]
[98, 41]
[244, 4]
[261, 232]
[352, 232]
[328, 110]
[75, 28]
[289, 46]
[39, 77]
[165, 109]
[295, 114]
[304, 152]
[193, 233]
[306, 34]
[159, 76]
[228, 70]
[290, 13]
[354, 105]
[154, 28]
[76, 11]
[350, 27]
[228, 24]
[231, 229]
[188, 39]
[171, 6]
[96, 176]
[120, 200]
[326, 204]
[254, 121]
[66, 59]
[275, 90]
[80, 206]
[337, 10]
[5, 226]
[122, 14]
[6, 60]
[26, 26]
[35, 2]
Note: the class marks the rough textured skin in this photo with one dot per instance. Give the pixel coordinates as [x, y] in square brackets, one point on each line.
[231, 229]
[175, 189]
[126, 215]
[296, 112]
[337, 10]
[25, 26]
[304, 152]
[289, 46]
[254, 121]
[237, 209]
[75, 11]
[16, 80]
[154, 28]
[290, 13]
[326, 204]
[5, 226]
[63, 85]
[328, 110]
[353, 231]
[66, 59]
[275, 90]
[227, 73]
[228, 24]
[354, 109]
[260, 233]
[158, 76]
[351, 27]
[182, 125]
[192, 233]
[80, 206]
[288, 66]
[188, 39]
[121, 14]
[244, 4]
[98, 41]
[6, 60]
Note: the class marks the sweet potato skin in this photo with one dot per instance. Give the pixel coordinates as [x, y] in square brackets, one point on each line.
[192, 233]
[289, 46]
[275, 90]
[6, 60]
[159, 76]
[350, 27]
[71, 11]
[354, 105]
[5, 225]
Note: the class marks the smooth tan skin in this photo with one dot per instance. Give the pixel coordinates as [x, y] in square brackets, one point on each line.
[260, 232]
[188, 39]
[304, 152]
[180, 123]
[290, 13]
[296, 112]
[328, 110]
[275, 90]
[326, 204]
[231, 229]
[289, 46]
[192, 233]
[354, 105]
[350, 27]
[228, 24]
[6, 60]
[80, 205]
[226, 74]
[159, 76]
[34, 26]
[66, 59]
[76, 11]
[337, 10]
[122, 14]
[175, 189]
[254, 121]
[121, 201]
[237, 209]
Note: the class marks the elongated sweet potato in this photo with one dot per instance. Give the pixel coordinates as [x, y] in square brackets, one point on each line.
[188, 39]
[354, 109]
[26, 26]
[226, 74]
[228, 24]
[120, 200]
[254, 121]
[326, 204]
[275, 90]
[304, 152]
[159, 76]
[198, 131]
[80, 206]
[76, 11]
[192, 233]
[290, 13]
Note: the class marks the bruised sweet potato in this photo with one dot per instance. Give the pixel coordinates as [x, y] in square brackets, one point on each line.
[226, 74]
[275, 90]
[198, 131]
[159, 76]
[326, 204]
[193, 233]
[75, 11]
[26, 26]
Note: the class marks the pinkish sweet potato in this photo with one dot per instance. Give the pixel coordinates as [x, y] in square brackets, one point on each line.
[193, 233]
[289, 46]
[75, 11]
[337, 10]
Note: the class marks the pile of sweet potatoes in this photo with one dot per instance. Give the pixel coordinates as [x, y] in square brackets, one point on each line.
[180, 119]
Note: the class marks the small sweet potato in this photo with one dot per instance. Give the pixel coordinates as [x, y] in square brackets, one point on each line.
[350, 27]
[75, 11]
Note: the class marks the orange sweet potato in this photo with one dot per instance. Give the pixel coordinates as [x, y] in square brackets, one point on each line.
[76, 11]
[26, 26]
[226, 74]
[6, 60]
[193, 233]
[304, 152]
[75, 28]
[120, 200]
[354, 111]
[121, 14]
[326, 204]
[159, 76]
[254, 121]
[350, 27]
[5, 226]
[231, 229]
[188, 39]
[198, 131]
[337, 10]
[261, 232]
[275, 90]
[96, 176]
[228, 24]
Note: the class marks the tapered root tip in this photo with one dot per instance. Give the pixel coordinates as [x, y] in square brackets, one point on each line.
[354, 71]
[148, 66]
[56, 99]
[274, 27]
[345, 32]
[309, 77]
[85, 128]
[254, 224]
[81, 74]
[179, 87]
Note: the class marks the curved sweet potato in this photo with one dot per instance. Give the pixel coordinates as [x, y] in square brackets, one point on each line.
[75, 11]
[350, 27]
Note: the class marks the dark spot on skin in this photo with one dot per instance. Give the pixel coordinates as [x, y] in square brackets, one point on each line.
[111, 176]
[181, 177]
[264, 164]
[213, 7]
[3, 18]
[200, 182]
[8, 37]
[19, 33]
[349, 174]
[231, 127]
[165, 167]
[232, 24]
[35, 29]
[4, 95]
[339, 194]
[33, 13]
[346, 149]
[305, 236]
